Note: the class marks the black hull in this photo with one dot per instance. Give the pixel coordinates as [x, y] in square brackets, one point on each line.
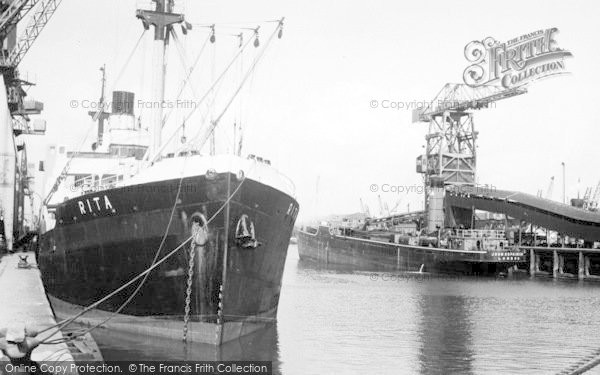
[362, 254]
[104, 239]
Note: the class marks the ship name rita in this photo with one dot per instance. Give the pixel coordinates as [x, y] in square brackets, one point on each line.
[95, 204]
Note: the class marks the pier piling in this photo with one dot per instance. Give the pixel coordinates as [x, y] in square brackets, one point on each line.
[532, 262]
[581, 269]
[555, 264]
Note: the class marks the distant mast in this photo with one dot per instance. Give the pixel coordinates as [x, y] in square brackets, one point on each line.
[162, 18]
[100, 115]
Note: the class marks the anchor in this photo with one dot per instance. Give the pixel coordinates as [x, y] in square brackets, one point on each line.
[244, 234]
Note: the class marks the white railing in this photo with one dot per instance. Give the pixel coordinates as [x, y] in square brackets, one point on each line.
[479, 233]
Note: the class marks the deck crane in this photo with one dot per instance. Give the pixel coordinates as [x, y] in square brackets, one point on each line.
[450, 154]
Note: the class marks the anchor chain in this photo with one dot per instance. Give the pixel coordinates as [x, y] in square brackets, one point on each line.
[188, 292]
[199, 232]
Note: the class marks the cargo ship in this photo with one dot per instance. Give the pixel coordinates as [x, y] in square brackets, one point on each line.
[386, 244]
[488, 232]
[113, 212]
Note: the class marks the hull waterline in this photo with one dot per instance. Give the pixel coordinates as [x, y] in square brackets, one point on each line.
[102, 240]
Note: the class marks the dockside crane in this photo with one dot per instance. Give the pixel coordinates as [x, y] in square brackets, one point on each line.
[17, 49]
[395, 206]
[11, 54]
[591, 203]
[450, 156]
[381, 208]
[595, 198]
[549, 191]
[39, 20]
[550, 188]
[364, 208]
[11, 12]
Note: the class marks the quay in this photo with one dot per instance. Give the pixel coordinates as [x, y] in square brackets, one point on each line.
[563, 262]
[23, 301]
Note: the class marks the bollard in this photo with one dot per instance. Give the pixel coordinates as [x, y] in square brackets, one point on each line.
[17, 343]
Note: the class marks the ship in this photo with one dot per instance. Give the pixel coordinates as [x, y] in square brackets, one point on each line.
[396, 243]
[488, 232]
[209, 232]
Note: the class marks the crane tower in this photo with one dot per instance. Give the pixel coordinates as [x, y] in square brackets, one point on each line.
[450, 157]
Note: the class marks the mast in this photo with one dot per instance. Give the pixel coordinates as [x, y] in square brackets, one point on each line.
[162, 18]
[100, 115]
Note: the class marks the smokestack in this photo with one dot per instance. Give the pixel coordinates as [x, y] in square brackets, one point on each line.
[122, 103]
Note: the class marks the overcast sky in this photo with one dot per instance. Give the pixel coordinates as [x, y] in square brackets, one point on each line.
[308, 109]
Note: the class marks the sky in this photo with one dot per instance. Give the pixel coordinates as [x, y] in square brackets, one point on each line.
[308, 107]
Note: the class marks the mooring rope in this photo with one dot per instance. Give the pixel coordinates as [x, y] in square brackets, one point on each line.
[70, 320]
[583, 365]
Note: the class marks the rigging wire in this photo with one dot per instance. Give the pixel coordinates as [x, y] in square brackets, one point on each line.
[211, 109]
[219, 78]
[98, 113]
[234, 25]
[184, 63]
[211, 100]
[171, 110]
[583, 365]
[214, 123]
[188, 71]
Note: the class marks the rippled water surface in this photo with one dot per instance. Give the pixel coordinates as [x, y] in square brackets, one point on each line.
[349, 322]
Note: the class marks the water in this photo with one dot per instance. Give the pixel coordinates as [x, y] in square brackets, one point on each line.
[348, 322]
